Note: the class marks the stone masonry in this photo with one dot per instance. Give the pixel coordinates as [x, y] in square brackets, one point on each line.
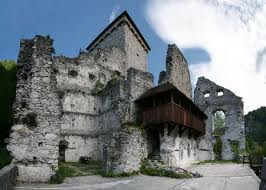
[68, 108]
[177, 71]
[77, 103]
[176, 150]
[211, 97]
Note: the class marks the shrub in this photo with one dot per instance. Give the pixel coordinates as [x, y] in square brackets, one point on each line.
[5, 157]
[98, 88]
[218, 146]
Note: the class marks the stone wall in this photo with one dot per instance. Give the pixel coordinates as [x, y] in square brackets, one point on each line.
[115, 38]
[127, 150]
[177, 150]
[35, 134]
[8, 177]
[80, 101]
[211, 97]
[136, 54]
[124, 38]
[177, 72]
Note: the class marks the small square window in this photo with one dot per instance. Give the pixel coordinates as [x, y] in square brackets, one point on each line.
[220, 93]
[206, 95]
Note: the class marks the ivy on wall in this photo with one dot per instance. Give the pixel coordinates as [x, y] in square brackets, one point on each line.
[217, 147]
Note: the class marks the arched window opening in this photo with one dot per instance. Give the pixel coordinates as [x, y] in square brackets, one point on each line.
[218, 123]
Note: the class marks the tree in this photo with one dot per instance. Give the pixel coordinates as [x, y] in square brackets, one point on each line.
[219, 118]
[7, 96]
[255, 124]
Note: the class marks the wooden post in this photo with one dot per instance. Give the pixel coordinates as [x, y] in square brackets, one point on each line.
[172, 97]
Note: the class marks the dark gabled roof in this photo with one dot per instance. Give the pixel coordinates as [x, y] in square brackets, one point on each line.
[165, 88]
[114, 22]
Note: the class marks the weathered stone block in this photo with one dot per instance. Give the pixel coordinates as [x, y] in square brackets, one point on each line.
[8, 176]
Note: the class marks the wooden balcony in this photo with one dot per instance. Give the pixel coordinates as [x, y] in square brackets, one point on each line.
[173, 113]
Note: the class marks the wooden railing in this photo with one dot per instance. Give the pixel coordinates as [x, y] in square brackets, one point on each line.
[175, 114]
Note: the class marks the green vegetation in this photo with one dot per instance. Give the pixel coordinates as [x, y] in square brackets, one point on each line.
[219, 131]
[217, 147]
[7, 96]
[219, 127]
[98, 88]
[73, 169]
[130, 125]
[217, 162]
[5, 158]
[219, 119]
[116, 75]
[235, 147]
[123, 174]
[255, 124]
[162, 172]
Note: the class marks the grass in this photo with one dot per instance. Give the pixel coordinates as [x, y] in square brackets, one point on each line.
[123, 174]
[217, 162]
[73, 169]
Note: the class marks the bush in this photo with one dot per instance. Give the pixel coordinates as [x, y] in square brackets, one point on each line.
[98, 88]
[218, 146]
[123, 174]
[5, 158]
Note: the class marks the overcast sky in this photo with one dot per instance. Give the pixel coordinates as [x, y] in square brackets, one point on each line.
[223, 40]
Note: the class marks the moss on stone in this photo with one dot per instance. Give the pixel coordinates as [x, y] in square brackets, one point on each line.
[235, 147]
[130, 125]
[219, 131]
[98, 88]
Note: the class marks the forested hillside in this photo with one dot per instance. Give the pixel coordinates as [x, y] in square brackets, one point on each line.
[255, 123]
[7, 96]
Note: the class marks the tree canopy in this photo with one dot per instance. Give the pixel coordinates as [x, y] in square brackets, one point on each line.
[7, 96]
[255, 123]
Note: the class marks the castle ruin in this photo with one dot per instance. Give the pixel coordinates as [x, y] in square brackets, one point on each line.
[94, 104]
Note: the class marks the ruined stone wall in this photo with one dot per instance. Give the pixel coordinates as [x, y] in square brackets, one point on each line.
[60, 99]
[8, 176]
[112, 58]
[137, 83]
[177, 72]
[177, 150]
[127, 150]
[211, 97]
[35, 134]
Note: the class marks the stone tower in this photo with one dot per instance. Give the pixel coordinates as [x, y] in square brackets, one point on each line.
[177, 72]
[122, 33]
[35, 135]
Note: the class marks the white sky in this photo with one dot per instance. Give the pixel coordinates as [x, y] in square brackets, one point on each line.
[233, 32]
